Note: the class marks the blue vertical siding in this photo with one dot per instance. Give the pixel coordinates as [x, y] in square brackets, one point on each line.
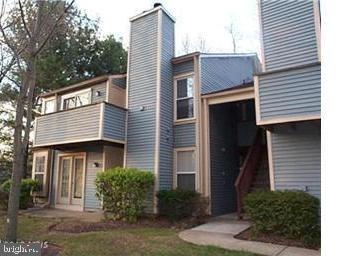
[223, 72]
[166, 105]
[288, 33]
[297, 157]
[185, 135]
[142, 80]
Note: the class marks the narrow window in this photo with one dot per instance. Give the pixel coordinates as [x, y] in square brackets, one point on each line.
[186, 174]
[40, 172]
[185, 98]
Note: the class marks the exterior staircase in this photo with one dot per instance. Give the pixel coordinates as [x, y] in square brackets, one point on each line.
[254, 173]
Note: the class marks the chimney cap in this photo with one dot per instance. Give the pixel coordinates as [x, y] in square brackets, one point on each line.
[157, 4]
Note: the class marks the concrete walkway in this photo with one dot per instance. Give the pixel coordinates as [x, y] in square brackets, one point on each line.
[221, 231]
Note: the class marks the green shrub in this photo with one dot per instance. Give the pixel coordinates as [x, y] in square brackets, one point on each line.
[27, 186]
[124, 191]
[292, 214]
[178, 204]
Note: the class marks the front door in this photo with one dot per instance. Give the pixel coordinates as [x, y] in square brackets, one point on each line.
[71, 178]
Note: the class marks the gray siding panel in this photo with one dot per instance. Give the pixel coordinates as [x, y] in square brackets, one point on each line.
[289, 36]
[114, 122]
[219, 73]
[93, 155]
[185, 135]
[297, 157]
[142, 92]
[166, 106]
[71, 125]
[184, 67]
[290, 93]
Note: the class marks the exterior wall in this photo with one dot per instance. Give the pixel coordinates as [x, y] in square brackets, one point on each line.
[102, 88]
[224, 159]
[288, 33]
[183, 67]
[113, 156]
[93, 155]
[166, 105]
[114, 122]
[117, 95]
[65, 126]
[142, 80]
[296, 154]
[223, 72]
[185, 135]
[290, 94]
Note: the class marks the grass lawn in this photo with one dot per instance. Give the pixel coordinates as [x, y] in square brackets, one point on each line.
[121, 241]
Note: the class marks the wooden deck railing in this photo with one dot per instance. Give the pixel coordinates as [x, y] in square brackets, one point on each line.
[247, 171]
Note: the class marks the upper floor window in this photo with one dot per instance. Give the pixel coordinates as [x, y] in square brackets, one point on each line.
[184, 98]
[76, 99]
[49, 105]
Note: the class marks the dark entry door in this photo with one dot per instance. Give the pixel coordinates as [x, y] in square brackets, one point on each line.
[224, 158]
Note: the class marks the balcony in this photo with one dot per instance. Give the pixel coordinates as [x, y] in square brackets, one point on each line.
[101, 121]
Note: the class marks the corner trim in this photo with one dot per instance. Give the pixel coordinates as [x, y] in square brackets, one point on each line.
[270, 160]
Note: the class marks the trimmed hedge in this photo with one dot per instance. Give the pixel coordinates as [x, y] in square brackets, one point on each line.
[292, 214]
[27, 186]
[124, 192]
[178, 204]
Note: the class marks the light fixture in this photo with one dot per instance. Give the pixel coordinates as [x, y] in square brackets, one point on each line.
[142, 108]
[96, 164]
[98, 93]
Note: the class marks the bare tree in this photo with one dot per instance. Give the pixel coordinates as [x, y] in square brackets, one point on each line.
[235, 35]
[201, 45]
[186, 45]
[26, 37]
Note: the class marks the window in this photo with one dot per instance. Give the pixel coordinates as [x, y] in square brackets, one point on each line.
[186, 173]
[49, 105]
[40, 171]
[185, 98]
[77, 99]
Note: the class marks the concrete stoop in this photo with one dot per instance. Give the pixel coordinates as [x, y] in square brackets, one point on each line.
[221, 234]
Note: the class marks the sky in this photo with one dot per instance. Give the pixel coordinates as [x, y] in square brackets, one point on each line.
[196, 20]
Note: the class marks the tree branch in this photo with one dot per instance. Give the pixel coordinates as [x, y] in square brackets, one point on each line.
[53, 28]
[22, 15]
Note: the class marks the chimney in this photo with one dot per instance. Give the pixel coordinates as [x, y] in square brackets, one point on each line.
[150, 96]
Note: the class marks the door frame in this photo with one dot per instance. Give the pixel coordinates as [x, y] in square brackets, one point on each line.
[69, 206]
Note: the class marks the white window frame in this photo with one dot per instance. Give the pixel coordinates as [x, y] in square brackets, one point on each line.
[175, 79]
[175, 171]
[44, 100]
[74, 94]
[45, 173]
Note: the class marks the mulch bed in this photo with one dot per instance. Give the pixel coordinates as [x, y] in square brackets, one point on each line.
[74, 226]
[51, 250]
[271, 238]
